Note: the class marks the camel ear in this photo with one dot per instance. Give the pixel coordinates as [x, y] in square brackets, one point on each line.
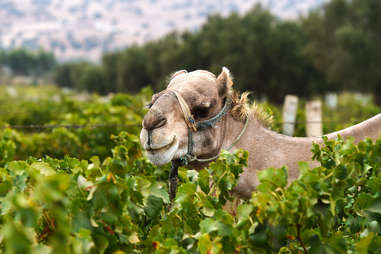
[224, 81]
[177, 73]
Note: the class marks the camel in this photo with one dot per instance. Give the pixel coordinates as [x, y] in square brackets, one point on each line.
[172, 130]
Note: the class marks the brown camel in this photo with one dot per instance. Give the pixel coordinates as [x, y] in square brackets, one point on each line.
[171, 126]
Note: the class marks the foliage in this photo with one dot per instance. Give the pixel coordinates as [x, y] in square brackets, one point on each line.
[349, 111]
[121, 204]
[74, 206]
[266, 45]
[24, 62]
[82, 76]
[91, 190]
[45, 105]
[344, 44]
[332, 208]
[333, 48]
[98, 119]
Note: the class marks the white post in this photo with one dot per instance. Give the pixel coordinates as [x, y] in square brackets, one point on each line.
[289, 114]
[314, 126]
[331, 100]
[363, 98]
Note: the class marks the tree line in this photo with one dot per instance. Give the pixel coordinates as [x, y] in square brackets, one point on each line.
[266, 55]
[333, 48]
[24, 62]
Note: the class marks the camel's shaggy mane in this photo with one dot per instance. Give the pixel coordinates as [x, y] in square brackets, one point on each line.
[242, 108]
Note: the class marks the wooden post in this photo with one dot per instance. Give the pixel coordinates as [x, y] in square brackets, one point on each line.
[314, 126]
[331, 100]
[363, 98]
[289, 114]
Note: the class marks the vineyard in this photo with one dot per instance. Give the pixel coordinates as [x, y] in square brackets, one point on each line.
[74, 179]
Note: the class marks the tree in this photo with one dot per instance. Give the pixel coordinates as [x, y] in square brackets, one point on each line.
[63, 75]
[110, 63]
[21, 61]
[344, 44]
[93, 79]
[333, 48]
[45, 61]
[132, 71]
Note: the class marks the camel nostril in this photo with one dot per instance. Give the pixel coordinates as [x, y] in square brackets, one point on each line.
[154, 120]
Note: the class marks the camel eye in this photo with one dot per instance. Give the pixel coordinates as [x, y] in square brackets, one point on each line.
[200, 111]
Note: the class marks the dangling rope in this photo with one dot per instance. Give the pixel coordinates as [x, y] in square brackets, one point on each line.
[193, 126]
[173, 176]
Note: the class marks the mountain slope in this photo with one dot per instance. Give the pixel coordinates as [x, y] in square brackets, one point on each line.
[86, 28]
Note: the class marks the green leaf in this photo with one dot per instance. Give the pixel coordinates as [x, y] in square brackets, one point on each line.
[4, 188]
[317, 247]
[153, 207]
[207, 246]
[272, 178]
[341, 172]
[209, 225]
[204, 180]
[160, 192]
[222, 224]
[185, 192]
[375, 206]
[101, 243]
[363, 245]
[243, 213]
[44, 168]
[18, 167]
[303, 167]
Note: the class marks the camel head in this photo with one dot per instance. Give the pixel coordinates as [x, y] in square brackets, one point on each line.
[164, 135]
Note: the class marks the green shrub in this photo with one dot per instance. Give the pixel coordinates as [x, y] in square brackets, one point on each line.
[122, 204]
[97, 118]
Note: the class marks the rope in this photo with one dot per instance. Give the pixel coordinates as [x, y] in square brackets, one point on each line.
[173, 178]
[240, 135]
[213, 121]
[94, 126]
[189, 158]
[67, 126]
[231, 145]
[188, 117]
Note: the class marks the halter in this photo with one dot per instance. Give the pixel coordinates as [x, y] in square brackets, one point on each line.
[194, 126]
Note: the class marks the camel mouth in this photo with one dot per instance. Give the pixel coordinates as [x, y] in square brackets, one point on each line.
[164, 154]
[163, 148]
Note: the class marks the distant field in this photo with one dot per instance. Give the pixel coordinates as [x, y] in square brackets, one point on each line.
[81, 124]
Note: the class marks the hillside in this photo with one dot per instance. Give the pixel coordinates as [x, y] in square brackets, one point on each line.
[86, 28]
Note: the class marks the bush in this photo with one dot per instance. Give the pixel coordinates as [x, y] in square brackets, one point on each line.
[96, 118]
[91, 190]
[122, 204]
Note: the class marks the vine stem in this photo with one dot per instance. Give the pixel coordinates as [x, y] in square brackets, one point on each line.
[300, 238]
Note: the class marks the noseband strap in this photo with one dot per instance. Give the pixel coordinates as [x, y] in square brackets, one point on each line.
[188, 117]
[201, 125]
[193, 127]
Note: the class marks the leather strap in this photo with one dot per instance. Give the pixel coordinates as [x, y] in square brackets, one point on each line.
[193, 126]
[188, 117]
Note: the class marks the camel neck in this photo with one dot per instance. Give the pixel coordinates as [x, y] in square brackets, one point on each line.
[257, 136]
[270, 149]
[266, 149]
